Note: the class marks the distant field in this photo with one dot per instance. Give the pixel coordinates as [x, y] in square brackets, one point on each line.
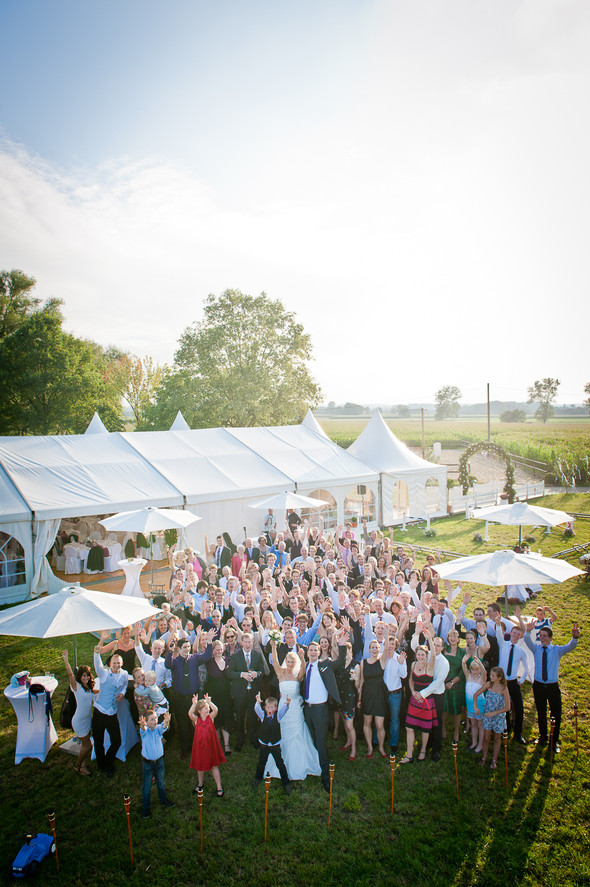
[563, 444]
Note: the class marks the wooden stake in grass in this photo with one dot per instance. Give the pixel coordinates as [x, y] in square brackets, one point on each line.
[576, 723]
[51, 818]
[392, 765]
[127, 805]
[455, 747]
[551, 745]
[505, 741]
[267, 784]
[332, 768]
[200, 797]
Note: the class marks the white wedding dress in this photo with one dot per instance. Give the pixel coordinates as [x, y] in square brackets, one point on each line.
[299, 753]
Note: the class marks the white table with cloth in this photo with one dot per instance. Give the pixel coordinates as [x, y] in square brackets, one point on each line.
[36, 733]
[132, 568]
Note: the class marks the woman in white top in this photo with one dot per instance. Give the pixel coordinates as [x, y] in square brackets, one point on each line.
[82, 686]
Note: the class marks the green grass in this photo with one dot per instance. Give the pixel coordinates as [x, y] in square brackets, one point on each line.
[534, 833]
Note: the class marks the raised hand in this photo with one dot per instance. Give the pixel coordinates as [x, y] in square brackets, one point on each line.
[64, 655]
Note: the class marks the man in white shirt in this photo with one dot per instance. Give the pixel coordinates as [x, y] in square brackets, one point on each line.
[154, 662]
[511, 657]
[437, 690]
[395, 670]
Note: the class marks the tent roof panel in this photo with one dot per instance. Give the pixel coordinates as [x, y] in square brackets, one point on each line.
[305, 456]
[208, 463]
[378, 446]
[12, 505]
[74, 475]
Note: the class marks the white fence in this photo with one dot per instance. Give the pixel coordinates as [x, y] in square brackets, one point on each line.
[489, 494]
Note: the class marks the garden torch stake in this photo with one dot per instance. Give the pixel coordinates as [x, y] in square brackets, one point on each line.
[51, 818]
[505, 741]
[551, 744]
[392, 765]
[576, 723]
[200, 797]
[267, 784]
[127, 805]
[332, 768]
[455, 746]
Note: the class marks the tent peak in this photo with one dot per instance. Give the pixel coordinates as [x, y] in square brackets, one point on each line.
[310, 421]
[96, 426]
[180, 423]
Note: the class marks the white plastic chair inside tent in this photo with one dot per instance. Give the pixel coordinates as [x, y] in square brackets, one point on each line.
[73, 563]
[111, 562]
[96, 536]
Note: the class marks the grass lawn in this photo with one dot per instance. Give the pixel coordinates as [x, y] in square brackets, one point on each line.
[536, 832]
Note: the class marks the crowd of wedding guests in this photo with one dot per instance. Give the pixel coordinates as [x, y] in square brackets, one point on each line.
[331, 634]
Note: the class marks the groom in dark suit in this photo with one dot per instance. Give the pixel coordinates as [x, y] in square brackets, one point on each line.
[317, 688]
[244, 672]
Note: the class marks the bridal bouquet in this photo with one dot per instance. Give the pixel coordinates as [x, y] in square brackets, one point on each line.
[275, 635]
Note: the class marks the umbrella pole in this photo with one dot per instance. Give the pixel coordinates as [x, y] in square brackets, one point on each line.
[506, 599]
[74, 653]
[520, 535]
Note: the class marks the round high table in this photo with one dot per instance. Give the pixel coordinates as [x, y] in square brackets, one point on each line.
[36, 733]
[132, 568]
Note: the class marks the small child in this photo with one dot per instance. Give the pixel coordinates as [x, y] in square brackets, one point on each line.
[152, 693]
[269, 739]
[544, 618]
[475, 676]
[152, 755]
[207, 753]
[496, 706]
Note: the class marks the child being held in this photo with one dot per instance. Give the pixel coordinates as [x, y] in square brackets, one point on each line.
[152, 756]
[149, 692]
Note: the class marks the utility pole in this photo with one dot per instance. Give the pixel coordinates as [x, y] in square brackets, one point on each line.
[489, 433]
[423, 450]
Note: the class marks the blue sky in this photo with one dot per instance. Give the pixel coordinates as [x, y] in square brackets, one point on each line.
[409, 177]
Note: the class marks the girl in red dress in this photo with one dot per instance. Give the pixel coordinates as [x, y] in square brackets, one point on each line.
[207, 753]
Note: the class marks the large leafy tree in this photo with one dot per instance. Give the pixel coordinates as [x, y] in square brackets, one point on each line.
[543, 392]
[136, 380]
[447, 402]
[52, 382]
[245, 363]
[16, 300]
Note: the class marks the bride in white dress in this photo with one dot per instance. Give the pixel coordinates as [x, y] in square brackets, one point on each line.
[299, 753]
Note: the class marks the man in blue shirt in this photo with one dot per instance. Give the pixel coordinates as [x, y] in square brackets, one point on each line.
[546, 687]
[113, 684]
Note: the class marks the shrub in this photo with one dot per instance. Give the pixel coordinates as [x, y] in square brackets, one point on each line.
[477, 537]
[430, 533]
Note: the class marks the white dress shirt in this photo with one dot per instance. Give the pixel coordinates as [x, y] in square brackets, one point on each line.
[441, 670]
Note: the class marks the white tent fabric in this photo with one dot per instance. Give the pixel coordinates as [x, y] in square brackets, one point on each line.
[378, 446]
[310, 421]
[180, 423]
[216, 473]
[96, 426]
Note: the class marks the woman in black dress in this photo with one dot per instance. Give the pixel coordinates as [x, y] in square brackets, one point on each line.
[372, 698]
[218, 690]
[348, 677]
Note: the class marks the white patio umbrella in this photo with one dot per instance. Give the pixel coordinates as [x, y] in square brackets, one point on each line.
[283, 501]
[522, 514]
[149, 520]
[506, 567]
[73, 610]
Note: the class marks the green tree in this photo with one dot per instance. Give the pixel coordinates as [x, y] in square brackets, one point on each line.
[403, 411]
[513, 416]
[51, 381]
[543, 392]
[587, 391]
[447, 402]
[244, 364]
[16, 301]
[137, 381]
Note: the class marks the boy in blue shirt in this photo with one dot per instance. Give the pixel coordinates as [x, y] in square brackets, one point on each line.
[152, 757]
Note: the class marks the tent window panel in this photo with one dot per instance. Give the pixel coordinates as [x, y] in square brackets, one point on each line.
[360, 503]
[12, 562]
[328, 514]
[400, 499]
[432, 494]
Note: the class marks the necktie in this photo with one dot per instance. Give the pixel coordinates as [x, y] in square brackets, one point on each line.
[307, 682]
[247, 656]
[218, 557]
[510, 659]
[439, 625]
[154, 662]
[544, 666]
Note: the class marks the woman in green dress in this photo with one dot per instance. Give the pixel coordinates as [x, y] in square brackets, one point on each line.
[455, 682]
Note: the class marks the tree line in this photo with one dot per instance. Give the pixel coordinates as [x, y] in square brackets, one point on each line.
[245, 363]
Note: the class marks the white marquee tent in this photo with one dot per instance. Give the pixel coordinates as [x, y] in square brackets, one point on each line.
[409, 484]
[215, 473]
